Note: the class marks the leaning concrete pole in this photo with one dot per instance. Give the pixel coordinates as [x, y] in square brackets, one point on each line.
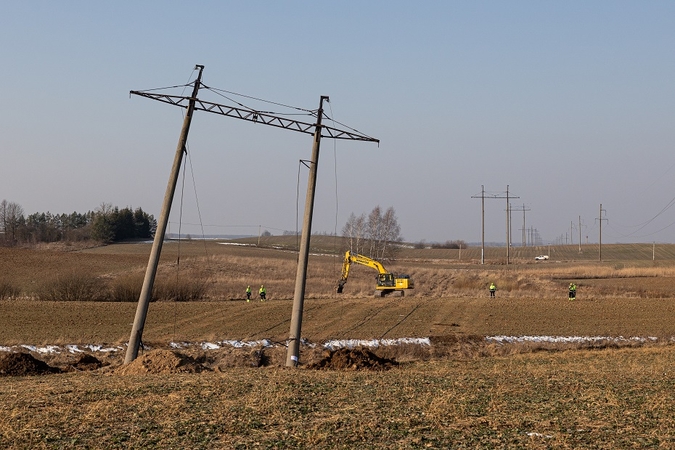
[153, 262]
[293, 353]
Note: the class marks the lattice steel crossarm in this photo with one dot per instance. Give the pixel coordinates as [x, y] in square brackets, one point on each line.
[257, 117]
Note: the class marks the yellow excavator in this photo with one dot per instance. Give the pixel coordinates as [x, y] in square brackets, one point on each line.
[386, 282]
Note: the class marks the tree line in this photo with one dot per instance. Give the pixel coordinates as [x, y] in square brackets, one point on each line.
[374, 235]
[107, 224]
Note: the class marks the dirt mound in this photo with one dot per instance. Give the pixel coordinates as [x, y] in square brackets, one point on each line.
[22, 364]
[161, 361]
[352, 359]
[85, 363]
[259, 357]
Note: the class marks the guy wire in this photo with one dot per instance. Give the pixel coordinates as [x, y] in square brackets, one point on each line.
[336, 247]
[180, 226]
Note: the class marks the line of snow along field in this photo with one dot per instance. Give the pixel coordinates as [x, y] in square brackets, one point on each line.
[329, 345]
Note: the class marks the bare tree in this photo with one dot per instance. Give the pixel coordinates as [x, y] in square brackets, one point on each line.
[3, 215]
[348, 231]
[373, 235]
[355, 231]
[11, 217]
[360, 233]
[390, 231]
[374, 229]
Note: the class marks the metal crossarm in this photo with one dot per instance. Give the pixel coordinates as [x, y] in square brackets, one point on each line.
[257, 117]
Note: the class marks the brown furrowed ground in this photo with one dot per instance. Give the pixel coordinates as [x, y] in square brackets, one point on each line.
[40, 323]
[459, 392]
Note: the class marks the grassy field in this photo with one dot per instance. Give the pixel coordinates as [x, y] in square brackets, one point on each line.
[460, 392]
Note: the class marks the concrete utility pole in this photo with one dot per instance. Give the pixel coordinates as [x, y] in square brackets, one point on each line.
[524, 230]
[482, 222]
[482, 196]
[240, 112]
[293, 354]
[151, 270]
[508, 226]
[600, 246]
[579, 234]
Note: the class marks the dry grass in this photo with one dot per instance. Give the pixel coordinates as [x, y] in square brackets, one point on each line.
[602, 399]
[73, 286]
[127, 287]
[8, 290]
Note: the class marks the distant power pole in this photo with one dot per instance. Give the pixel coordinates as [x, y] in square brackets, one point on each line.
[579, 234]
[508, 225]
[482, 224]
[601, 219]
[482, 198]
[524, 230]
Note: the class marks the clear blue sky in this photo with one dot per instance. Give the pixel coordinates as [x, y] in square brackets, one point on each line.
[571, 104]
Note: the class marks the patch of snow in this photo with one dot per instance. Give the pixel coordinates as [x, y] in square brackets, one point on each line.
[568, 339]
[220, 344]
[46, 349]
[373, 343]
[73, 348]
[102, 349]
[533, 434]
[209, 346]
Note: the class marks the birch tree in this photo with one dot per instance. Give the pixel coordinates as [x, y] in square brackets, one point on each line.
[374, 228]
[373, 236]
[390, 232]
[354, 231]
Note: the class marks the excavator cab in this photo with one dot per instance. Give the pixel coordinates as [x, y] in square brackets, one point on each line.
[386, 280]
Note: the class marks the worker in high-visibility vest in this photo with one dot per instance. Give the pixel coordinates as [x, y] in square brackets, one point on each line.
[248, 293]
[262, 293]
[573, 291]
[493, 288]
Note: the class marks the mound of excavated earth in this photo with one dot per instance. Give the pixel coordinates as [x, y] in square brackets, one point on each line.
[161, 361]
[85, 363]
[23, 364]
[352, 359]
